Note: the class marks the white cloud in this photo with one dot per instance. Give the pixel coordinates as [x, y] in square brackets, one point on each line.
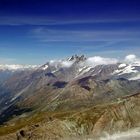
[131, 58]
[44, 34]
[67, 63]
[17, 67]
[61, 63]
[91, 61]
[97, 60]
[44, 20]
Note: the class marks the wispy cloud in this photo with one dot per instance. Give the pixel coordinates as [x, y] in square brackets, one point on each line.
[43, 20]
[48, 35]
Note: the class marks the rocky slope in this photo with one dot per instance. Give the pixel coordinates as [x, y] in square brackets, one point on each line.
[121, 115]
[81, 95]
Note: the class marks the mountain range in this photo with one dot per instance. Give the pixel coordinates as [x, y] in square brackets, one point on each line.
[83, 96]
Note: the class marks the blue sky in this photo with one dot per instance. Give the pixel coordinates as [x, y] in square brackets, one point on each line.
[35, 31]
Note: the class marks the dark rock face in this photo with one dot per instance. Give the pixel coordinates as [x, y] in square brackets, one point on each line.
[50, 75]
[60, 84]
[22, 133]
[11, 112]
[77, 58]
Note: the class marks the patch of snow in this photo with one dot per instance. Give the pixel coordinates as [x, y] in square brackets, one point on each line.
[54, 71]
[45, 67]
[84, 70]
[122, 65]
[135, 77]
[137, 63]
[128, 69]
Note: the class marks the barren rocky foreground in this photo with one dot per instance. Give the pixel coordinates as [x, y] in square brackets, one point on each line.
[98, 122]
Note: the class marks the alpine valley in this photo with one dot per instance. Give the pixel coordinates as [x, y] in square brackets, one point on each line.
[77, 98]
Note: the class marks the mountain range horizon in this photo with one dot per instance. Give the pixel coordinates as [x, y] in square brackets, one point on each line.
[80, 93]
[128, 58]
